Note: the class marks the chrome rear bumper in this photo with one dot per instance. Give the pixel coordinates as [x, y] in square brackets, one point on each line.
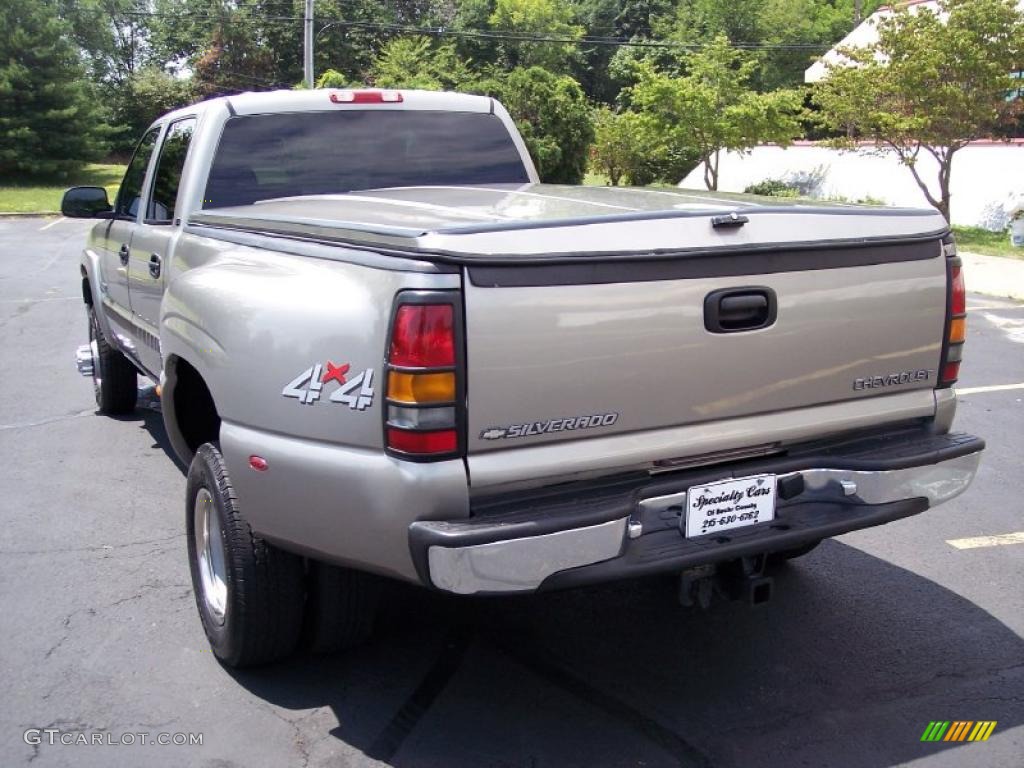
[492, 555]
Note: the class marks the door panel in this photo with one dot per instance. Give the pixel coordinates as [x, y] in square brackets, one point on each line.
[154, 239]
[116, 246]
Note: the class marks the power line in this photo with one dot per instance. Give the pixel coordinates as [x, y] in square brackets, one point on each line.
[236, 17]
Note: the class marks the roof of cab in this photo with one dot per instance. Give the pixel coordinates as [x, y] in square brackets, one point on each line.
[320, 99]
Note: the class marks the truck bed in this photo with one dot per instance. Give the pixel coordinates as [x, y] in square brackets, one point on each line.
[551, 223]
[589, 311]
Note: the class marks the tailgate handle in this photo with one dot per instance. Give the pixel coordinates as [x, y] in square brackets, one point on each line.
[740, 309]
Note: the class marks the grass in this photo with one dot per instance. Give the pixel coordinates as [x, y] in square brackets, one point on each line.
[43, 195]
[977, 240]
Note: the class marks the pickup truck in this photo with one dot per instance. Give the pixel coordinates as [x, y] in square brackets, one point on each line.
[384, 350]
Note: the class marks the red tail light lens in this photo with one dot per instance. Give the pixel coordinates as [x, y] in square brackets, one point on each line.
[423, 336]
[440, 441]
[956, 317]
[958, 291]
[425, 378]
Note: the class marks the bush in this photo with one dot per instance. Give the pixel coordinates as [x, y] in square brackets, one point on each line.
[554, 118]
[773, 188]
[331, 78]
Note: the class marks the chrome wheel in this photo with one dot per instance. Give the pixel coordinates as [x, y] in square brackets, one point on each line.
[210, 554]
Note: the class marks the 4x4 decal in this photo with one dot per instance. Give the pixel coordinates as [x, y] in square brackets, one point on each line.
[356, 393]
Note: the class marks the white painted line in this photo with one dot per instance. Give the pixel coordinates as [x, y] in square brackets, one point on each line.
[992, 306]
[993, 388]
[988, 541]
[55, 221]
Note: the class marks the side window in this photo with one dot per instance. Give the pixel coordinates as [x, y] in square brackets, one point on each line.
[168, 171]
[130, 194]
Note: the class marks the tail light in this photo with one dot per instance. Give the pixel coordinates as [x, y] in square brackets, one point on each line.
[956, 316]
[425, 387]
[366, 97]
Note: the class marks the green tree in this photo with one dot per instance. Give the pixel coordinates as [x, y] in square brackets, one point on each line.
[111, 38]
[330, 78]
[474, 15]
[49, 119]
[552, 114]
[143, 97]
[930, 85]
[614, 151]
[417, 62]
[713, 107]
[808, 27]
[536, 18]
[631, 147]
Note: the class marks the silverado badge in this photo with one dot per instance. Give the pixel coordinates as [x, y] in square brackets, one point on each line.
[535, 428]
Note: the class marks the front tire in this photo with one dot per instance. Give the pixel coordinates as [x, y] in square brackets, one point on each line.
[114, 379]
[249, 593]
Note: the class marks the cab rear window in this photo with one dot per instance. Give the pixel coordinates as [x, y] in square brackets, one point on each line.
[261, 157]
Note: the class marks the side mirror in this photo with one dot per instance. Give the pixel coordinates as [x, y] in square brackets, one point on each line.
[85, 203]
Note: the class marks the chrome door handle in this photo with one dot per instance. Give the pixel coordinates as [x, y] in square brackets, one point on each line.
[154, 265]
[124, 253]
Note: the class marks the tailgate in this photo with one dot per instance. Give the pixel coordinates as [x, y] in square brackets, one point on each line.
[563, 352]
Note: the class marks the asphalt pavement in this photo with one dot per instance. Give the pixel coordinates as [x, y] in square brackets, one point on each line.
[867, 639]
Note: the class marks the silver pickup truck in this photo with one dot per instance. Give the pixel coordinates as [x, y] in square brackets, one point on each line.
[385, 350]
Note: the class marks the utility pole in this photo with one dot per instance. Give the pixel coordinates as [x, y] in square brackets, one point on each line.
[858, 12]
[308, 44]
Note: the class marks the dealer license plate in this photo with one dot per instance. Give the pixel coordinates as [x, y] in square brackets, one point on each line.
[716, 507]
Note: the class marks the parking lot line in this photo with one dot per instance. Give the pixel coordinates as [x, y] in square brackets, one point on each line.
[993, 388]
[988, 541]
[55, 221]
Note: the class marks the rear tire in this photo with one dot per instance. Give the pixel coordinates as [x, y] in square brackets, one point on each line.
[795, 552]
[114, 379]
[341, 607]
[249, 593]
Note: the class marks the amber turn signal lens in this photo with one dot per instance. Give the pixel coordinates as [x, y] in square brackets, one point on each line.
[957, 330]
[421, 387]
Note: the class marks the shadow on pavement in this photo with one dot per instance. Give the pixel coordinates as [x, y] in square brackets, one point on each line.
[147, 412]
[846, 666]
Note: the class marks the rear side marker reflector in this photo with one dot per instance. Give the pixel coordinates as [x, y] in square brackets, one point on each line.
[439, 441]
[258, 463]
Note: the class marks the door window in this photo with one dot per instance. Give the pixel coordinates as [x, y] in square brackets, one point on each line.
[168, 171]
[130, 193]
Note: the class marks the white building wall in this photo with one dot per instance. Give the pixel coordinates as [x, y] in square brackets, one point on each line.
[985, 176]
